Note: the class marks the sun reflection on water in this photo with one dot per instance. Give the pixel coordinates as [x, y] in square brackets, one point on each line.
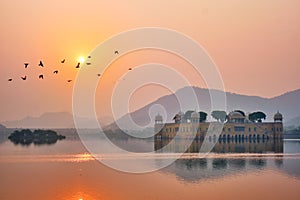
[83, 157]
[86, 195]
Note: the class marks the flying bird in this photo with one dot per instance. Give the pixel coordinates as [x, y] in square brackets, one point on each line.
[23, 78]
[41, 64]
[130, 69]
[41, 76]
[89, 56]
[98, 74]
[55, 72]
[78, 65]
[88, 63]
[116, 52]
[63, 61]
[69, 80]
[10, 79]
[26, 65]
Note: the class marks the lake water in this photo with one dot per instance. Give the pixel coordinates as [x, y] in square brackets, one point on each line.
[235, 170]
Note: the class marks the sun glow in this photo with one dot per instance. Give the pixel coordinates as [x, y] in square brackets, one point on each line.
[81, 59]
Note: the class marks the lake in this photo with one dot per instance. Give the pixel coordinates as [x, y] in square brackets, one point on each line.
[233, 170]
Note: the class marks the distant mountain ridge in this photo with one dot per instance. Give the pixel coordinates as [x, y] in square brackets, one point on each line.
[293, 122]
[2, 127]
[46, 120]
[287, 104]
[49, 120]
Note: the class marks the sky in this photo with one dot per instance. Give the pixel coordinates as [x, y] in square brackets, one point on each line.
[255, 44]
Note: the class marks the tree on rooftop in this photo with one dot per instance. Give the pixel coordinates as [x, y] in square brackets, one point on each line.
[203, 116]
[219, 115]
[257, 116]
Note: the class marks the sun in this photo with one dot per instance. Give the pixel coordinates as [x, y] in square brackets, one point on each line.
[81, 59]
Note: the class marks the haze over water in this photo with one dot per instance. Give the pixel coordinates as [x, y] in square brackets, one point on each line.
[65, 170]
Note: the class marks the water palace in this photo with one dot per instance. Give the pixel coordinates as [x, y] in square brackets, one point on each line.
[237, 127]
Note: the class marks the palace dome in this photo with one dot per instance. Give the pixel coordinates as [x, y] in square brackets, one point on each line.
[278, 116]
[158, 117]
[195, 115]
[236, 115]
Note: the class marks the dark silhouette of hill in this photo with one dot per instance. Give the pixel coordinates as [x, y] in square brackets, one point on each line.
[46, 120]
[54, 120]
[287, 104]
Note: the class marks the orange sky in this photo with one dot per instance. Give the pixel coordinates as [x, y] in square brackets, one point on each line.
[255, 44]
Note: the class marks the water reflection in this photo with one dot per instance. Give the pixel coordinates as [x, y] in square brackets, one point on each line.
[223, 146]
[258, 163]
[219, 163]
[237, 163]
[195, 170]
[69, 172]
[234, 157]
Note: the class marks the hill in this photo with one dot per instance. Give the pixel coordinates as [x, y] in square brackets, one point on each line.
[2, 127]
[46, 120]
[287, 104]
[293, 122]
[53, 120]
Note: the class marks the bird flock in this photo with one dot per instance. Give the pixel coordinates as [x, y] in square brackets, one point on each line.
[55, 72]
[41, 64]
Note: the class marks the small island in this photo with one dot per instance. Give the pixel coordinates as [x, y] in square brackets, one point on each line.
[37, 137]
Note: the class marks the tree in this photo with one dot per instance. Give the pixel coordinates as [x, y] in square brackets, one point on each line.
[257, 116]
[260, 116]
[177, 118]
[203, 116]
[252, 117]
[219, 115]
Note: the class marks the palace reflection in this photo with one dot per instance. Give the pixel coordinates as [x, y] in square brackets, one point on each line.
[197, 169]
[220, 146]
[223, 161]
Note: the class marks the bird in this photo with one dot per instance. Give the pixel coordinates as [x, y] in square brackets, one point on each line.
[69, 80]
[23, 78]
[116, 52]
[41, 76]
[130, 69]
[98, 74]
[55, 72]
[63, 61]
[89, 56]
[10, 79]
[78, 65]
[41, 64]
[88, 63]
[26, 65]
